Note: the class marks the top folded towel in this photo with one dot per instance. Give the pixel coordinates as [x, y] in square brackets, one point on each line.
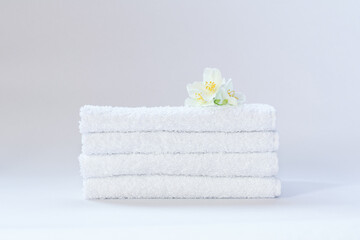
[247, 117]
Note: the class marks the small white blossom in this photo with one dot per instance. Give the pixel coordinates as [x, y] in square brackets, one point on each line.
[213, 90]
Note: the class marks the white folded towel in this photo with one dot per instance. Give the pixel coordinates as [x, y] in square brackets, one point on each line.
[247, 117]
[181, 187]
[179, 142]
[208, 164]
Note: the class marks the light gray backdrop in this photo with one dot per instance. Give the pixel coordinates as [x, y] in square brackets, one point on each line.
[300, 56]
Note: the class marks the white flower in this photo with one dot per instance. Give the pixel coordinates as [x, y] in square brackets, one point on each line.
[212, 80]
[213, 90]
[203, 93]
[228, 94]
[198, 96]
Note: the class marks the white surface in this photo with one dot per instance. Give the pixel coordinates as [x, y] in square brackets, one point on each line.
[51, 204]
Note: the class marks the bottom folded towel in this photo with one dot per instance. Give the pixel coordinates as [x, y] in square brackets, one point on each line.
[181, 187]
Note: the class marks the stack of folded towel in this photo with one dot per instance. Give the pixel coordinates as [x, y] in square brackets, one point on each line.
[179, 152]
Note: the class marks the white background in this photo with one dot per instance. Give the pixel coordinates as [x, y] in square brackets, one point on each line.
[300, 56]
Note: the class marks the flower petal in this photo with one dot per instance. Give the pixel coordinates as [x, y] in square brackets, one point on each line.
[232, 101]
[241, 98]
[212, 80]
[229, 85]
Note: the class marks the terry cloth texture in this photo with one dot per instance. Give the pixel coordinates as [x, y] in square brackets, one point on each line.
[247, 117]
[181, 187]
[175, 142]
[197, 164]
[179, 152]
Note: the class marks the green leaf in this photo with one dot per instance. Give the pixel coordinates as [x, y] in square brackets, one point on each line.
[225, 102]
[217, 102]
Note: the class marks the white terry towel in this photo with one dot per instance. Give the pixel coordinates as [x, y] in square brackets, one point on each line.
[247, 117]
[198, 164]
[181, 187]
[179, 142]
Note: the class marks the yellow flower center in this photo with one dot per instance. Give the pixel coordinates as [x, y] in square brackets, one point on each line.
[210, 86]
[199, 97]
[232, 94]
